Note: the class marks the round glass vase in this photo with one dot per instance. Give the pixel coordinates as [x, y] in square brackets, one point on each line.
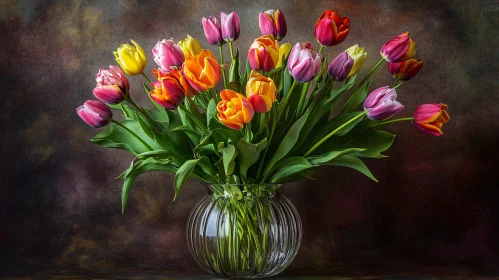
[244, 231]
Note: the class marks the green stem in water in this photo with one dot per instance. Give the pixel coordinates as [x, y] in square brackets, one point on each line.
[145, 77]
[285, 102]
[333, 133]
[133, 134]
[221, 63]
[194, 119]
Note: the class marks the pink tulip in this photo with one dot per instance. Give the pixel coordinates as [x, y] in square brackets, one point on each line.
[230, 26]
[95, 113]
[273, 22]
[303, 62]
[167, 54]
[382, 104]
[399, 48]
[429, 118]
[112, 85]
[212, 31]
[340, 67]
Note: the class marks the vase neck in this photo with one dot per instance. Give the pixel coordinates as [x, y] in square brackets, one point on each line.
[240, 191]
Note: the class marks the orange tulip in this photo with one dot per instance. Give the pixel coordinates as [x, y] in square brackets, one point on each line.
[168, 92]
[234, 110]
[429, 118]
[179, 76]
[261, 92]
[202, 71]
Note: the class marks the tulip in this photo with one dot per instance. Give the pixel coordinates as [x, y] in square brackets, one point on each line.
[429, 118]
[234, 110]
[303, 62]
[95, 113]
[284, 51]
[405, 70]
[359, 56]
[167, 54]
[190, 46]
[132, 59]
[399, 48]
[112, 85]
[212, 31]
[230, 26]
[382, 104]
[261, 92]
[178, 74]
[264, 53]
[331, 29]
[202, 71]
[340, 67]
[272, 22]
[167, 91]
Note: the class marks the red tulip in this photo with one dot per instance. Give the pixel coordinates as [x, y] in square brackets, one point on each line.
[331, 29]
[405, 70]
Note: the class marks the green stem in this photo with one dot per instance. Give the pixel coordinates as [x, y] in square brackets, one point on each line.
[145, 114]
[395, 83]
[145, 77]
[285, 102]
[302, 100]
[398, 85]
[321, 48]
[395, 120]
[231, 51]
[221, 63]
[269, 141]
[194, 119]
[133, 134]
[363, 81]
[333, 133]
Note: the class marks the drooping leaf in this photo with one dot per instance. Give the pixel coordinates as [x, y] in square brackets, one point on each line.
[296, 160]
[228, 154]
[320, 159]
[289, 171]
[373, 141]
[182, 174]
[352, 162]
[248, 154]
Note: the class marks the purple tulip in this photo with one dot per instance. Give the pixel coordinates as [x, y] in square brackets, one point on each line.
[167, 54]
[112, 85]
[340, 67]
[230, 26]
[303, 62]
[212, 31]
[95, 113]
[382, 104]
[273, 22]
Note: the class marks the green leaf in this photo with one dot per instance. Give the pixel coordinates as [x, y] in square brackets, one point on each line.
[342, 119]
[156, 153]
[278, 78]
[288, 142]
[193, 134]
[183, 173]
[373, 141]
[320, 159]
[234, 72]
[289, 171]
[228, 155]
[160, 109]
[352, 162]
[248, 154]
[357, 97]
[296, 160]
[235, 86]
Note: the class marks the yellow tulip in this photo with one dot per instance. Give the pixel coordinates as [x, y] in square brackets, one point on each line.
[284, 51]
[190, 46]
[132, 59]
[261, 92]
[359, 56]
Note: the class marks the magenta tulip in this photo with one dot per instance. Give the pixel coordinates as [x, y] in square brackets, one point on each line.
[340, 67]
[303, 62]
[429, 118]
[95, 113]
[112, 85]
[399, 48]
[167, 54]
[212, 31]
[230, 26]
[274, 23]
[382, 104]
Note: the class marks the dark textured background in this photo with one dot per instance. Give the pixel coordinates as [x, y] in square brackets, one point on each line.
[436, 204]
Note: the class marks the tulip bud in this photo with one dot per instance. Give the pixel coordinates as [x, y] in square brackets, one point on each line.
[382, 104]
[190, 46]
[284, 51]
[212, 31]
[272, 22]
[230, 26]
[95, 113]
[303, 62]
[340, 67]
[399, 48]
[132, 59]
[261, 92]
[405, 70]
[168, 91]
[331, 29]
[167, 54]
[234, 110]
[202, 71]
[429, 118]
[264, 53]
[359, 56]
[112, 85]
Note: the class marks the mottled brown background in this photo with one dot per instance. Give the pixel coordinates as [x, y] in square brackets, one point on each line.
[436, 204]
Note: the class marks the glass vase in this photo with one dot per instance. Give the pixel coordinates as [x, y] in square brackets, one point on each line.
[244, 231]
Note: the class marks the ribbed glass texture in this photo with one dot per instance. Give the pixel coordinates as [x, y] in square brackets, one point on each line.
[244, 231]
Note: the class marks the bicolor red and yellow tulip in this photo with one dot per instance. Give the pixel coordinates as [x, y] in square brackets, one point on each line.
[405, 70]
[132, 59]
[168, 91]
[331, 29]
[261, 92]
[429, 118]
[234, 111]
[399, 48]
[179, 75]
[264, 53]
[202, 71]
[272, 22]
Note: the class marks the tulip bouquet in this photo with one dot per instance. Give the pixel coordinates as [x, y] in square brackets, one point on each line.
[266, 119]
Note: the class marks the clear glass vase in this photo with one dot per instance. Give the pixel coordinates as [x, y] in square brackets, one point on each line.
[244, 231]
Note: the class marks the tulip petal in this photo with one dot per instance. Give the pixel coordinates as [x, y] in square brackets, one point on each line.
[428, 129]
